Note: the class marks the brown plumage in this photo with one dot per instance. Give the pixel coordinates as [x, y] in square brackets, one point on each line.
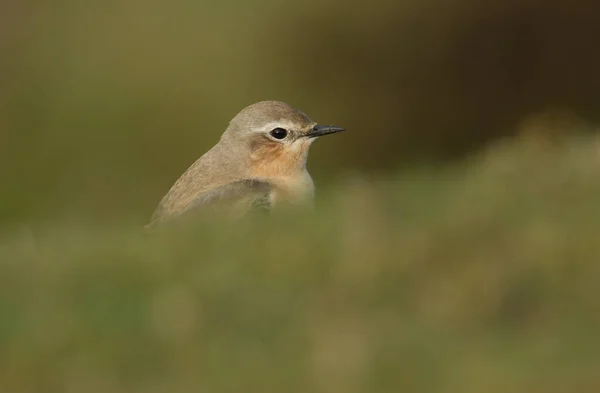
[259, 160]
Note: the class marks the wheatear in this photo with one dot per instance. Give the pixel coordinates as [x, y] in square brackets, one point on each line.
[259, 161]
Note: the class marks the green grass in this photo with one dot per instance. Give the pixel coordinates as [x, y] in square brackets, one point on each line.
[482, 277]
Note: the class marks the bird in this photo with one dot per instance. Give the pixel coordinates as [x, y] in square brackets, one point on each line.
[258, 163]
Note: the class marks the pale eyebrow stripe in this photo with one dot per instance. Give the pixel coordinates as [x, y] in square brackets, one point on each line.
[283, 123]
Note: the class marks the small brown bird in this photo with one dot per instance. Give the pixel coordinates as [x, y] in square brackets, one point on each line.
[259, 162]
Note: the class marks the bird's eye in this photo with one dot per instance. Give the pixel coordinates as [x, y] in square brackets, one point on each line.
[279, 133]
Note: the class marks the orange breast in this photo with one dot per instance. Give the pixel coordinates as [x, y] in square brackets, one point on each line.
[276, 160]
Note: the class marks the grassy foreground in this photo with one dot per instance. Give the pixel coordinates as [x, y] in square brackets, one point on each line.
[484, 277]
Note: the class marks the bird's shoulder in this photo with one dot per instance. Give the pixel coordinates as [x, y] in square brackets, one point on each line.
[236, 197]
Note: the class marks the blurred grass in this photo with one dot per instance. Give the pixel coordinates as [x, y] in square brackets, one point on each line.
[479, 277]
[469, 276]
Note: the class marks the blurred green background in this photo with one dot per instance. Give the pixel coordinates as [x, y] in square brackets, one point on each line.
[454, 248]
[104, 104]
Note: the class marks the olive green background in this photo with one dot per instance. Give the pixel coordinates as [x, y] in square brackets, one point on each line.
[104, 104]
[453, 246]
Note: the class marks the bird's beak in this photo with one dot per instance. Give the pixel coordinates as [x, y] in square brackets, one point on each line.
[319, 130]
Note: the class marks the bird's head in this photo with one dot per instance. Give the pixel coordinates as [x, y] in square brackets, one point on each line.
[276, 136]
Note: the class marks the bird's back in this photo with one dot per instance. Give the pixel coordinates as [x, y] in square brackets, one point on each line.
[216, 184]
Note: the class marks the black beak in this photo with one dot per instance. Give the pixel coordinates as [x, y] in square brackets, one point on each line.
[323, 130]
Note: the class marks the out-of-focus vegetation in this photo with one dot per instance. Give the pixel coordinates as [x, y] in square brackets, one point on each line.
[455, 243]
[104, 103]
[480, 277]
